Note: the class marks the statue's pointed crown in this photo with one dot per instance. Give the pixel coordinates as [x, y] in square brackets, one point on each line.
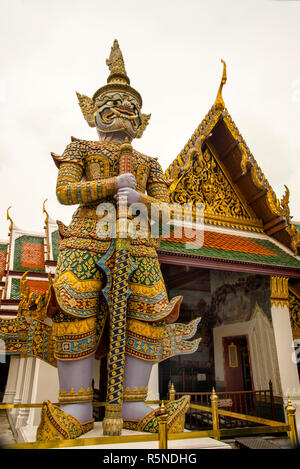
[118, 79]
[116, 65]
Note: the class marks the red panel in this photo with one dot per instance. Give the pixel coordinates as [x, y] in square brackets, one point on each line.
[33, 255]
[233, 364]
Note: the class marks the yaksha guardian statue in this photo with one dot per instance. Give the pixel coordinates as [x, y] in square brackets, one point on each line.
[108, 294]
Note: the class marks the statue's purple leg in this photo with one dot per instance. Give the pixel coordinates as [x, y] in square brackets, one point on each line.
[136, 374]
[77, 374]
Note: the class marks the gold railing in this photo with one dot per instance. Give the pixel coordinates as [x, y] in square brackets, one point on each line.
[266, 426]
[252, 402]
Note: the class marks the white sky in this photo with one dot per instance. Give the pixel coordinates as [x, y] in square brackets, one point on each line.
[172, 51]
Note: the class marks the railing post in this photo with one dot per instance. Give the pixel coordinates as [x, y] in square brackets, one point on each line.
[272, 399]
[293, 434]
[215, 414]
[172, 393]
[162, 414]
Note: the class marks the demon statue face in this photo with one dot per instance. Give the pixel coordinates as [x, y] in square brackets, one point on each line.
[117, 112]
[115, 109]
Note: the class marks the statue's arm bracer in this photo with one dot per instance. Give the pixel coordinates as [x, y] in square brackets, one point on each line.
[71, 188]
[157, 187]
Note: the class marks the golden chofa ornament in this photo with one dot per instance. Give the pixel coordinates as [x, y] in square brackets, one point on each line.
[117, 95]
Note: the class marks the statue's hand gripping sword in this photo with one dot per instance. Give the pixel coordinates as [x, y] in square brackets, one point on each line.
[123, 267]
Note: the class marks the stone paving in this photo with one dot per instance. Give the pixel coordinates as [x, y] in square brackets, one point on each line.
[6, 435]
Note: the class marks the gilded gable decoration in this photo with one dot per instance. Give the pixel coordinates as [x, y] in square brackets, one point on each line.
[206, 183]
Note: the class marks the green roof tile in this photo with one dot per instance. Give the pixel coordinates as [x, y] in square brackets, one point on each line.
[281, 258]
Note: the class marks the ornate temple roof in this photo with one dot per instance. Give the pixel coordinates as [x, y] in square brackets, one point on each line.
[217, 168]
[218, 249]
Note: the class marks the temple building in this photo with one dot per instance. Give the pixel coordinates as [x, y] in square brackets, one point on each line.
[243, 279]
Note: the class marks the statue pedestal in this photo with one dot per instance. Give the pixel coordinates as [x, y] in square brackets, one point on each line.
[27, 434]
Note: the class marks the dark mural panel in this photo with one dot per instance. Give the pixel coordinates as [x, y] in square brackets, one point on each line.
[219, 298]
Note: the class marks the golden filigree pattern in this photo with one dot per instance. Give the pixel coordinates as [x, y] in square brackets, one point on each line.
[279, 291]
[73, 396]
[295, 237]
[206, 183]
[294, 307]
[135, 394]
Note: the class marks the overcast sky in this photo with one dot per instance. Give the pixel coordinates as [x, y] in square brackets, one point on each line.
[172, 51]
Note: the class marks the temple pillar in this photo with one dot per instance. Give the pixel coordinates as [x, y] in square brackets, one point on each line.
[19, 387]
[10, 389]
[25, 395]
[44, 386]
[284, 343]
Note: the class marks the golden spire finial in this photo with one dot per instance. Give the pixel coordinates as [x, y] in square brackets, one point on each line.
[116, 65]
[219, 103]
[46, 213]
[9, 218]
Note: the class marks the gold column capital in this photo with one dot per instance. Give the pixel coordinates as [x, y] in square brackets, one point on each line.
[279, 291]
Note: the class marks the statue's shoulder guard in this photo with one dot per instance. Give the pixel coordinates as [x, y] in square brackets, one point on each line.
[74, 153]
[156, 173]
[143, 159]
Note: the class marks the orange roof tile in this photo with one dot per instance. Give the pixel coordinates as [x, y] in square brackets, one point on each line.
[217, 240]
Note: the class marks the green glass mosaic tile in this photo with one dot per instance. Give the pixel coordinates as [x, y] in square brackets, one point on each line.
[282, 258]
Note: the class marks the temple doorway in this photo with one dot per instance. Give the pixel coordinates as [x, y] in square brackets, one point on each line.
[237, 367]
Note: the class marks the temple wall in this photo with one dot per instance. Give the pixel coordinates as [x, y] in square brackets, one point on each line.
[262, 349]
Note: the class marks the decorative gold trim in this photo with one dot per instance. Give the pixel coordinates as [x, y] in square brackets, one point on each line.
[280, 208]
[279, 291]
[8, 255]
[47, 229]
[233, 363]
[77, 327]
[295, 237]
[55, 424]
[252, 221]
[172, 392]
[66, 397]
[135, 394]
[8, 217]
[294, 308]
[29, 306]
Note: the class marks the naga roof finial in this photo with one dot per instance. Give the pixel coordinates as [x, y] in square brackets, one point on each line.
[8, 217]
[116, 65]
[219, 103]
[45, 212]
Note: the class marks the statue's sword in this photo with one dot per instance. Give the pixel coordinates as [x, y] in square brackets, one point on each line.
[123, 267]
